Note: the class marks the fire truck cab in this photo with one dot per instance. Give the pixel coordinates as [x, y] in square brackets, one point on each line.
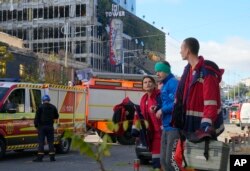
[234, 113]
[18, 104]
[104, 92]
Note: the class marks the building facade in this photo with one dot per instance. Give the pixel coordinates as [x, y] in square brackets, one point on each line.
[98, 33]
[129, 5]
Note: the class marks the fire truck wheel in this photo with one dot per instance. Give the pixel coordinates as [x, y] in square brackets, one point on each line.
[126, 139]
[2, 148]
[64, 146]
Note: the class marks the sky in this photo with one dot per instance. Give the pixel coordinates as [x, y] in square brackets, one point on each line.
[221, 26]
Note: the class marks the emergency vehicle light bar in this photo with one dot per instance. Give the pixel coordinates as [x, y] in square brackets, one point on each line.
[105, 83]
[10, 80]
[134, 77]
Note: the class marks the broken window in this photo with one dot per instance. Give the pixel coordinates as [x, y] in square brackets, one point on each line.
[20, 33]
[4, 15]
[25, 14]
[50, 33]
[66, 11]
[1, 16]
[40, 13]
[80, 10]
[9, 16]
[19, 15]
[50, 12]
[35, 33]
[14, 14]
[46, 35]
[35, 13]
[56, 32]
[56, 12]
[45, 13]
[61, 12]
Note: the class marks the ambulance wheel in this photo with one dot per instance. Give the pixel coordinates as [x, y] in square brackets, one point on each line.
[2, 148]
[126, 139]
[64, 146]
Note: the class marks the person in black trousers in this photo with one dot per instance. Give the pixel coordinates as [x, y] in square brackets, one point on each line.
[44, 121]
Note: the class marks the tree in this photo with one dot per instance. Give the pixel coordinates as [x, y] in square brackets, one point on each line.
[102, 149]
[5, 55]
[248, 94]
[95, 151]
[30, 74]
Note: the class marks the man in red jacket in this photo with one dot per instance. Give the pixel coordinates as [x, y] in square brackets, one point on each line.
[197, 109]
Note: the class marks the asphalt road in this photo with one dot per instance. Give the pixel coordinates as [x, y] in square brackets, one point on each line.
[121, 159]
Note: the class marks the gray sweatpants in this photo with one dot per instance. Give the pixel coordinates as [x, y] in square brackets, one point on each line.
[169, 141]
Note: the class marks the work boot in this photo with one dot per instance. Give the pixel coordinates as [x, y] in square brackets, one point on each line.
[39, 158]
[52, 157]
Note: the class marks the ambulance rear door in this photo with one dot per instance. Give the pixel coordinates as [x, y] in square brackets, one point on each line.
[71, 107]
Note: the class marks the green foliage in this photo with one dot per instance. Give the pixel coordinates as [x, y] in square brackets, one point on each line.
[98, 151]
[239, 90]
[30, 74]
[248, 94]
[95, 151]
[5, 55]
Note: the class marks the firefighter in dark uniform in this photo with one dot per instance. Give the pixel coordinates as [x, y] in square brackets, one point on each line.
[44, 121]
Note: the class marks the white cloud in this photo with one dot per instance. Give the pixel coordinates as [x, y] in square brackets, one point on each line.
[232, 55]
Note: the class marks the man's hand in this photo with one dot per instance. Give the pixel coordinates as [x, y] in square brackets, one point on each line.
[205, 126]
[158, 114]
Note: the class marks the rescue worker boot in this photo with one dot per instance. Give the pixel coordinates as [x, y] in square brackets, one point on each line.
[52, 157]
[39, 158]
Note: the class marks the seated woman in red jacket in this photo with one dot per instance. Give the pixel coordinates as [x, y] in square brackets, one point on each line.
[150, 101]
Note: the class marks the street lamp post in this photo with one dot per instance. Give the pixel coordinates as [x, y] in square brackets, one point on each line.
[67, 42]
[123, 57]
[65, 31]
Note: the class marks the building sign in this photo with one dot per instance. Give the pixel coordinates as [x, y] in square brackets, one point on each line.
[116, 41]
[115, 12]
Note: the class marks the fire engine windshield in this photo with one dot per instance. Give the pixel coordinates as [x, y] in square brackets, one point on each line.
[3, 91]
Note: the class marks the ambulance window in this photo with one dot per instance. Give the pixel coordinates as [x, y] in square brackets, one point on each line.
[35, 99]
[17, 97]
[3, 108]
[3, 91]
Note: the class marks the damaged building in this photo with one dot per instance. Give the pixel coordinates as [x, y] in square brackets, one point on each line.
[98, 33]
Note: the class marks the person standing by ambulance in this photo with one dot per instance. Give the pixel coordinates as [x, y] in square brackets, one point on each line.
[149, 103]
[197, 109]
[44, 121]
[170, 135]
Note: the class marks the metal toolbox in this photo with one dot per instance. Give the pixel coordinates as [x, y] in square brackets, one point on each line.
[218, 155]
